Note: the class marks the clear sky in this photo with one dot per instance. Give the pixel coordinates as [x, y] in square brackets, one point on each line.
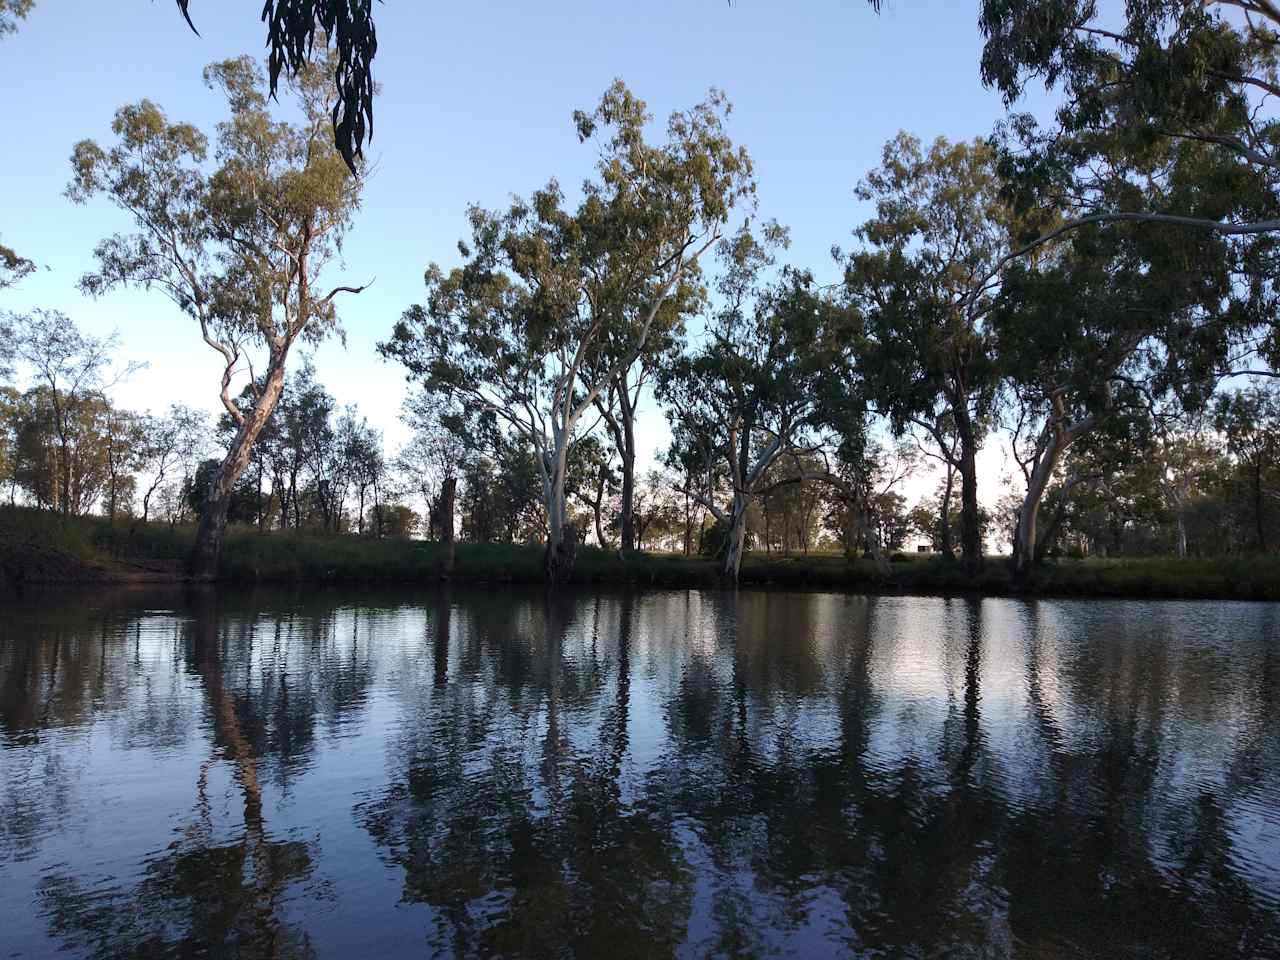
[475, 106]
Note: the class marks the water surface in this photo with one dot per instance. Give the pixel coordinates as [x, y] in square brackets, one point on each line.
[492, 772]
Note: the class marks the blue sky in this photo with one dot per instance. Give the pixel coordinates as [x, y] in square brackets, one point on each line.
[475, 106]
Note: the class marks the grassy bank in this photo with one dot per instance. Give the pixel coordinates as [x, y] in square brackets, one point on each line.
[38, 547]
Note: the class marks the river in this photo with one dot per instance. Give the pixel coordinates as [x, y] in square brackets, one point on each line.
[495, 772]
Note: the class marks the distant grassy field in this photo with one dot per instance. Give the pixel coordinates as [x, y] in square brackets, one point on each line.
[39, 547]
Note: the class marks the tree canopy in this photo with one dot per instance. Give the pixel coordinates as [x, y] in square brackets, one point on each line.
[241, 249]
[553, 304]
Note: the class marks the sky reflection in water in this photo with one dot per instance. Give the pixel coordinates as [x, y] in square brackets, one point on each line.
[492, 772]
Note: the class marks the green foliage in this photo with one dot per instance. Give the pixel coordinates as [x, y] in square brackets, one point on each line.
[240, 249]
[12, 266]
[394, 520]
[921, 285]
[11, 11]
[542, 282]
[66, 441]
[1249, 420]
[715, 539]
[293, 27]
[244, 506]
[553, 305]
[209, 241]
[501, 499]
[939, 226]
[58, 452]
[1160, 118]
[771, 372]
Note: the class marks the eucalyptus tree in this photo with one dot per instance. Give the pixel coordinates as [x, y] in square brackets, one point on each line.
[432, 459]
[1161, 78]
[13, 267]
[323, 456]
[759, 389]
[500, 499]
[1118, 316]
[590, 478]
[11, 11]
[553, 304]
[172, 442]
[1120, 470]
[618, 402]
[1189, 463]
[240, 246]
[791, 512]
[940, 444]
[365, 465]
[1249, 420]
[122, 445]
[74, 371]
[298, 447]
[58, 448]
[294, 437]
[866, 473]
[922, 284]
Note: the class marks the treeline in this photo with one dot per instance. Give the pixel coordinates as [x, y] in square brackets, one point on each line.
[65, 446]
[314, 467]
[1091, 292]
[1204, 486]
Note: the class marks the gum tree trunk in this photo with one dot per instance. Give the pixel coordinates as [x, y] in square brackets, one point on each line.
[1028, 549]
[1024, 543]
[448, 494]
[870, 530]
[562, 538]
[628, 533]
[970, 529]
[737, 538]
[1258, 506]
[213, 523]
[945, 545]
[621, 429]
[596, 506]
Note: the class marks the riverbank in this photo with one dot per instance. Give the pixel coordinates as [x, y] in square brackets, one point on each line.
[37, 547]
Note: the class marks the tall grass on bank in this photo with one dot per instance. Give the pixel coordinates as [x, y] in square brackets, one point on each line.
[38, 546]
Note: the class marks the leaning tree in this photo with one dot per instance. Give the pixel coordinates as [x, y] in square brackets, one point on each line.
[240, 244]
[1117, 318]
[552, 303]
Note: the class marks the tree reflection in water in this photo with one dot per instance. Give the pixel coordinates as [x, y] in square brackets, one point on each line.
[209, 891]
[650, 774]
[519, 837]
[797, 806]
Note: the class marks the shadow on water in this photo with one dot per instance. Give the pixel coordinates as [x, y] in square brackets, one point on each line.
[482, 773]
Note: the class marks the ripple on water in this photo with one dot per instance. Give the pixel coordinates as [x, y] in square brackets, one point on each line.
[664, 773]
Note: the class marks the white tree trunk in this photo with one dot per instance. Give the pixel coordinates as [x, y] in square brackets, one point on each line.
[560, 550]
[209, 534]
[1024, 546]
[737, 537]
